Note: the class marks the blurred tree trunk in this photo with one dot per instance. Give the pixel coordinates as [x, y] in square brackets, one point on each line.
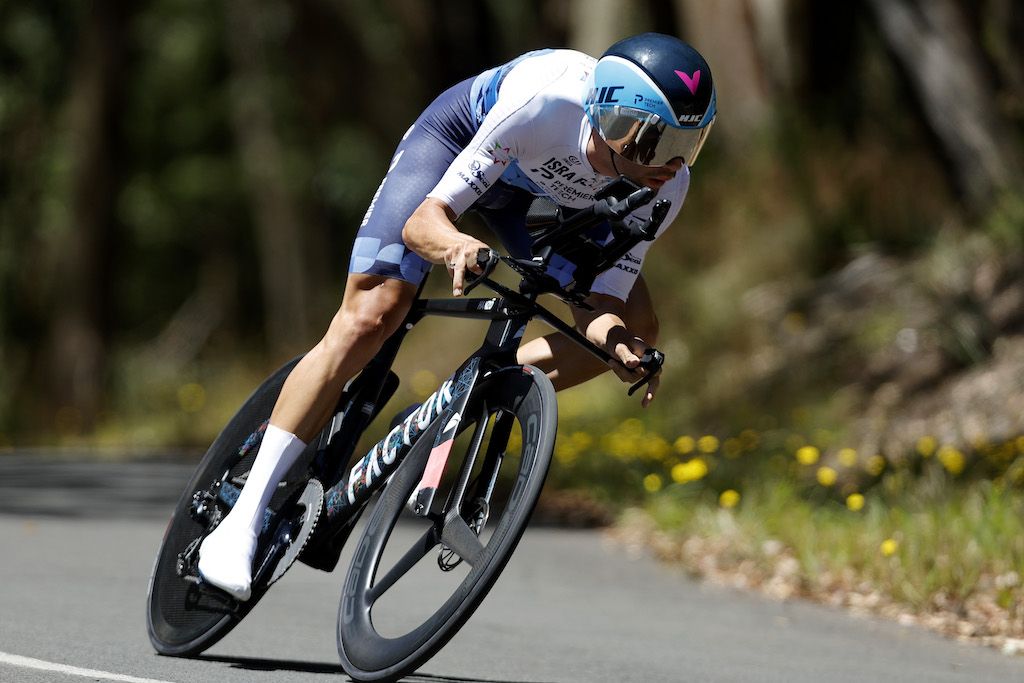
[76, 350]
[726, 33]
[1003, 25]
[946, 68]
[596, 24]
[277, 219]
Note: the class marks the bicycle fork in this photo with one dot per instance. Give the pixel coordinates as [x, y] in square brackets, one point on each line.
[502, 340]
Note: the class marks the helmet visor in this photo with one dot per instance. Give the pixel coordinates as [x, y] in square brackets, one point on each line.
[646, 138]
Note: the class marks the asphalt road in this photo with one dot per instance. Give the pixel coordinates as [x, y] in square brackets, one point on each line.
[78, 539]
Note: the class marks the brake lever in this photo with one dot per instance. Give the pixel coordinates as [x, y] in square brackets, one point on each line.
[631, 203]
[651, 361]
[487, 259]
[658, 214]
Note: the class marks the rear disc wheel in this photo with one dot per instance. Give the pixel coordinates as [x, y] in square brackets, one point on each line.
[183, 618]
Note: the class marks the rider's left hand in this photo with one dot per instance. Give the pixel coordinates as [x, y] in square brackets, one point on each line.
[460, 256]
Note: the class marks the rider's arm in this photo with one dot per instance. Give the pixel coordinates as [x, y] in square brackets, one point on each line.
[431, 233]
[605, 326]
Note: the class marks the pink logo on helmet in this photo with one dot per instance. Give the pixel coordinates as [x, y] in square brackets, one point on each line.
[691, 81]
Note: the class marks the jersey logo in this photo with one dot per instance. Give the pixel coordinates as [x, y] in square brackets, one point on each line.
[691, 81]
[500, 154]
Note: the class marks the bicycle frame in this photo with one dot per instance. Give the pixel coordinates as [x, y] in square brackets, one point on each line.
[508, 315]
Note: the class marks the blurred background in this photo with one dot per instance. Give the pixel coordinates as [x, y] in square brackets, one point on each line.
[841, 297]
[180, 183]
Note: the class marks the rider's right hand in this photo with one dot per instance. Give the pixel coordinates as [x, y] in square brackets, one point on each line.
[628, 351]
[460, 256]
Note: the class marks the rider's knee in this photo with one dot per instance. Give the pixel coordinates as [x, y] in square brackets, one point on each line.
[363, 327]
[366, 325]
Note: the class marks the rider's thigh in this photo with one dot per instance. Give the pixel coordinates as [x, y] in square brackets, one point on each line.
[640, 318]
[372, 309]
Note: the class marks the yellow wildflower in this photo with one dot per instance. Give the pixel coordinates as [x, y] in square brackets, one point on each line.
[707, 444]
[926, 446]
[566, 453]
[619, 445]
[855, 502]
[808, 455]
[889, 547]
[729, 498]
[655, 447]
[633, 426]
[581, 440]
[684, 445]
[952, 459]
[689, 471]
[875, 465]
[652, 483]
[826, 476]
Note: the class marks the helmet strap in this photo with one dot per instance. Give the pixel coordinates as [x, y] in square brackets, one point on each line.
[611, 153]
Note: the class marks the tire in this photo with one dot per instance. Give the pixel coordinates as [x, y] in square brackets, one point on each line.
[522, 394]
[182, 619]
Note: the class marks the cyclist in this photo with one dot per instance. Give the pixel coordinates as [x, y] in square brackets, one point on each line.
[552, 123]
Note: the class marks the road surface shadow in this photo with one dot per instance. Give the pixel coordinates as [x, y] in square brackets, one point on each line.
[258, 664]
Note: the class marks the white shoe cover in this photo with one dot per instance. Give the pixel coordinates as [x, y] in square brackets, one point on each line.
[225, 560]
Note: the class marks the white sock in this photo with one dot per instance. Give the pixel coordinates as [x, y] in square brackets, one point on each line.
[225, 557]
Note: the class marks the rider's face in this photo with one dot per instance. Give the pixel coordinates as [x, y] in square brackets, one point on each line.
[648, 176]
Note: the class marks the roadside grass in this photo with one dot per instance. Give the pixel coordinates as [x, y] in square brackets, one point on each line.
[919, 550]
[934, 537]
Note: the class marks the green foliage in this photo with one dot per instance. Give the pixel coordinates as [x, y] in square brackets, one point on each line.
[772, 208]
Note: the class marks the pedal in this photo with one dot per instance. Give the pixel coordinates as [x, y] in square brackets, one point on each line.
[199, 590]
[204, 509]
[185, 566]
[208, 598]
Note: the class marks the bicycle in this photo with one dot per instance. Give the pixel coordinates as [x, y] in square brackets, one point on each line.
[473, 510]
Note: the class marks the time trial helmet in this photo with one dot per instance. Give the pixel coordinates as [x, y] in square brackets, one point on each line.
[652, 99]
